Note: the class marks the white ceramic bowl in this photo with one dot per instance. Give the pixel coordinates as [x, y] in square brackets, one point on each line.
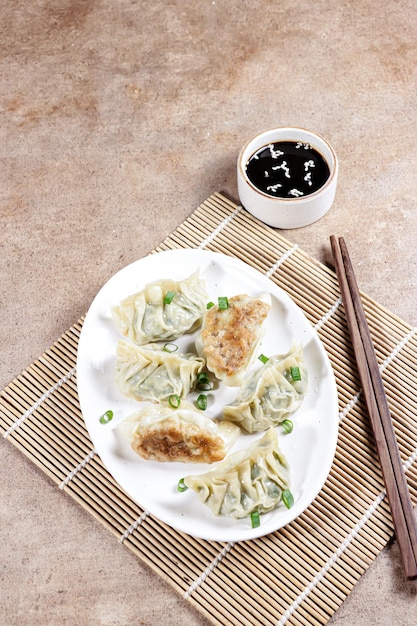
[288, 212]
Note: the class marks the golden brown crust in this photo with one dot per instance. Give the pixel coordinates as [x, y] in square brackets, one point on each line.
[186, 445]
[229, 335]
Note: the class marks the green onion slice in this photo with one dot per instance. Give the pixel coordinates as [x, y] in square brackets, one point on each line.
[263, 358]
[181, 485]
[106, 417]
[169, 296]
[287, 498]
[203, 382]
[170, 347]
[223, 303]
[210, 305]
[287, 426]
[255, 519]
[201, 401]
[174, 401]
[295, 373]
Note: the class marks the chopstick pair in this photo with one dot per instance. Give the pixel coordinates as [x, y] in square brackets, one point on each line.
[402, 512]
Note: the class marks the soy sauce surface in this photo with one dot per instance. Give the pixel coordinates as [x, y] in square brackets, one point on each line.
[287, 169]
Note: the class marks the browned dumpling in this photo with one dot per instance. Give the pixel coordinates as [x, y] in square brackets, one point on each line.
[185, 435]
[230, 336]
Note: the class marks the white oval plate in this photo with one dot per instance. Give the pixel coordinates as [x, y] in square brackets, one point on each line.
[309, 448]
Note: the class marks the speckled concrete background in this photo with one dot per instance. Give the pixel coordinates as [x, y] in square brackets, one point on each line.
[117, 120]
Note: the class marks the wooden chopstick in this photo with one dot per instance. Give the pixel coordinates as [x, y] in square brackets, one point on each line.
[398, 495]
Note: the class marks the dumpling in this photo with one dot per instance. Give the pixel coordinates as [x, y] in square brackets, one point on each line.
[160, 433]
[153, 374]
[270, 394]
[162, 311]
[229, 337]
[246, 481]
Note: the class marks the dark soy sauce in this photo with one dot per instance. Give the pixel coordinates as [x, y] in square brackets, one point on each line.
[287, 169]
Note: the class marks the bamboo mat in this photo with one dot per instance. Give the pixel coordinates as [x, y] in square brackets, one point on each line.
[302, 573]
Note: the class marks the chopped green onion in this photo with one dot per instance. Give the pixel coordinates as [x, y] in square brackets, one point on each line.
[169, 296]
[255, 519]
[170, 347]
[287, 426]
[203, 382]
[210, 305]
[106, 417]
[181, 485]
[223, 303]
[287, 498]
[174, 401]
[263, 358]
[295, 373]
[201, 401]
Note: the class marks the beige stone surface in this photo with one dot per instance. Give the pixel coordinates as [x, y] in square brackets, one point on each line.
[117, 120]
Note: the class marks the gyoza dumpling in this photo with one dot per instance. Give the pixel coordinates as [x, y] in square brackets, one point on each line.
[161, 433]
[271, 393]
[162, 311]
[229, 336]
[153, 374]
[246, 481]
